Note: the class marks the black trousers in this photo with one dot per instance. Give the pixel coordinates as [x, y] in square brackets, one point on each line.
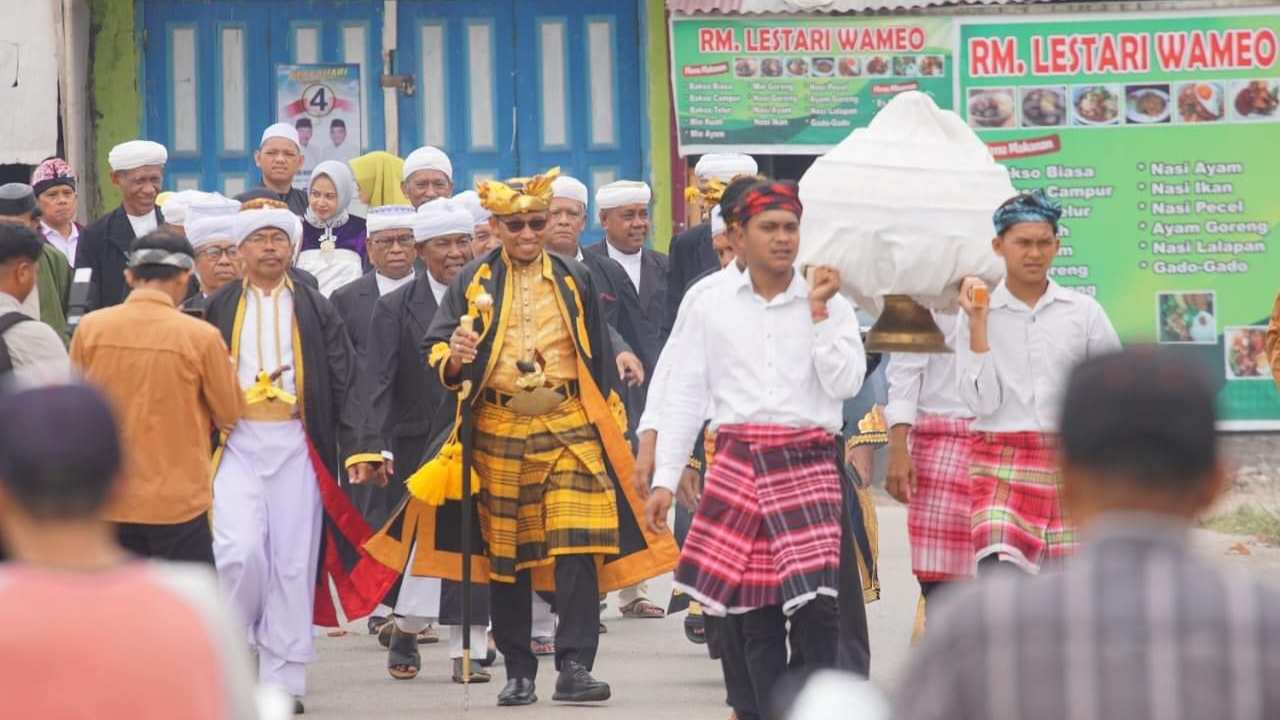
[577, 605]
[190, 541]
[757, 641]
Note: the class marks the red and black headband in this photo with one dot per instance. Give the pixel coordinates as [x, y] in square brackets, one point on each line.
[768, 195]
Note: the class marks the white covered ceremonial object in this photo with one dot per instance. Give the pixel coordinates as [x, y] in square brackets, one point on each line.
[725, 166]
[470, 200]
[570, 188]
[427, 158]
[250, 221]
[136, 154]
[622, 193]
[281, 130]
[903, 207]
[389, 217]
[441, 217]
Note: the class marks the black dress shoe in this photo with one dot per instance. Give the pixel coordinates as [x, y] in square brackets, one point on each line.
[575, 684]
[297, 706]
[518, 691]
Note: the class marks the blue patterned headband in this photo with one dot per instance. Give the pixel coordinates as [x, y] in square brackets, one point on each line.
[1033, 206]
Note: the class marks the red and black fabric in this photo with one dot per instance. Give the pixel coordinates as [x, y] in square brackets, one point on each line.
[940, 514]
[768, 527]
[1017, 510]
[769, 195]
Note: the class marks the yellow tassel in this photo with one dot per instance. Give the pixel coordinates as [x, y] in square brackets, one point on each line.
[440, 478]
[619, 411]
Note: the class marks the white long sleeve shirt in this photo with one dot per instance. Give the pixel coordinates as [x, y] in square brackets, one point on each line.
[926, 382]
[757, 361]
[1017, 386]
[651, 416]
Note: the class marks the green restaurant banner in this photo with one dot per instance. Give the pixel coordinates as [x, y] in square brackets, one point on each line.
[798, 85]
[1160, 135]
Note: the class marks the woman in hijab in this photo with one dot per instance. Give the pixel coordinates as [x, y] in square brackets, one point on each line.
[378, 175]
[332, 246]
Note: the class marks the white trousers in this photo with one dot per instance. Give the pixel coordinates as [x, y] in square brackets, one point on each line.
[266, 541]
[418, 605]
[544, 621]
[628, 595]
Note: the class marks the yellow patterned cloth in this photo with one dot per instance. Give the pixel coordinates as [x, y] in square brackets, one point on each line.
[534, 324]
[544, 489]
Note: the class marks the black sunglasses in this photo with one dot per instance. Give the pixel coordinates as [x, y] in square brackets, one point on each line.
[536, 224]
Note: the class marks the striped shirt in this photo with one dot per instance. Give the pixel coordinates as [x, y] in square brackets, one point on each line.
[1134, 627]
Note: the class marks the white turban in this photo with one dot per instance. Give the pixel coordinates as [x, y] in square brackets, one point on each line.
[211, 229]
[281, 130]
[622, 192]
[569, 188]
[471, 201]
[250, 221]
[427, 158]
[725, 166]
[136, 154]
[175, 206]
[717, 221]
[211, 205]
[389, 217]
[442, 216]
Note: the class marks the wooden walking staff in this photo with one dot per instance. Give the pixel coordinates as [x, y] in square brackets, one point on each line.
[464, 436]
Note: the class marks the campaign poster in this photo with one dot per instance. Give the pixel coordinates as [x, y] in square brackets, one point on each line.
[323, 103]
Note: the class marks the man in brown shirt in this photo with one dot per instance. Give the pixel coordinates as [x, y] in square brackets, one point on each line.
[171, 381]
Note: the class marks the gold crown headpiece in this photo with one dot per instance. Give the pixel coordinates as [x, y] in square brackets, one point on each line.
[517, 195]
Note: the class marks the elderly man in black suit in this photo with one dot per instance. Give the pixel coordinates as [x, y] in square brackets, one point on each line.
[137, 169]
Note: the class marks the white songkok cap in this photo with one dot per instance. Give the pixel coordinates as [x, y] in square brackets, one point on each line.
[569, 188]
[211, 229]
[390, 217]
[211, 205]
[427, 158]
[622, 192]
[471, 201]
[281, 130]
[725, 166]
[250, 221]
[176, 204]
[136, 154]
[442, 216]
[717, 222]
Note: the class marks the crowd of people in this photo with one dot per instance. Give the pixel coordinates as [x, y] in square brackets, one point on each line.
[448, 415]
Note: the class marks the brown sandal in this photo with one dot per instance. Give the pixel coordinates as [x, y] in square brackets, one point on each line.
[642, 609]
[403, 659]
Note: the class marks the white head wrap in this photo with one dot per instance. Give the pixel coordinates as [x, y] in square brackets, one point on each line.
[427, 158]
[211, 229]
[136, 154]
[442, 216]
[250, 221]
[281, 130]
[725, 166]
[717, 222]
[570, 188]
[622, 192]
[471, 201]
[211, 205]
[390, 217]
[176, 205]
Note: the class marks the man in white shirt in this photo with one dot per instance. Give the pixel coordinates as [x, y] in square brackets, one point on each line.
[54, 184]
[929, 442]
[765, 546]
[1014, 356]
[29, 349]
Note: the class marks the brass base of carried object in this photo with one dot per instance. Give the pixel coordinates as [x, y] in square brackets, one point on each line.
[905, 326]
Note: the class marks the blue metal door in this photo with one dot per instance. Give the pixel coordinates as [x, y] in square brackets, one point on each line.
[208, 76]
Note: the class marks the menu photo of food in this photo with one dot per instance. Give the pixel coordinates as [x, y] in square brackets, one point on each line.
[824, 67]
[1246, 353]
[931, 65]
[877, 66]
[1147, 104]
[906, 66]
[797, 67]
[1255, 100]
[849, 67]
[1187, 317]
[1095, 104]
[771, 67]
[746, 67]
[1044, 106]
[992, 108]
[1199, 102]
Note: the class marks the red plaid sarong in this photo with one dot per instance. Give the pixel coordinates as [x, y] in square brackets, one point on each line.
[1017, 513]
[939, 517]
[767, 530]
